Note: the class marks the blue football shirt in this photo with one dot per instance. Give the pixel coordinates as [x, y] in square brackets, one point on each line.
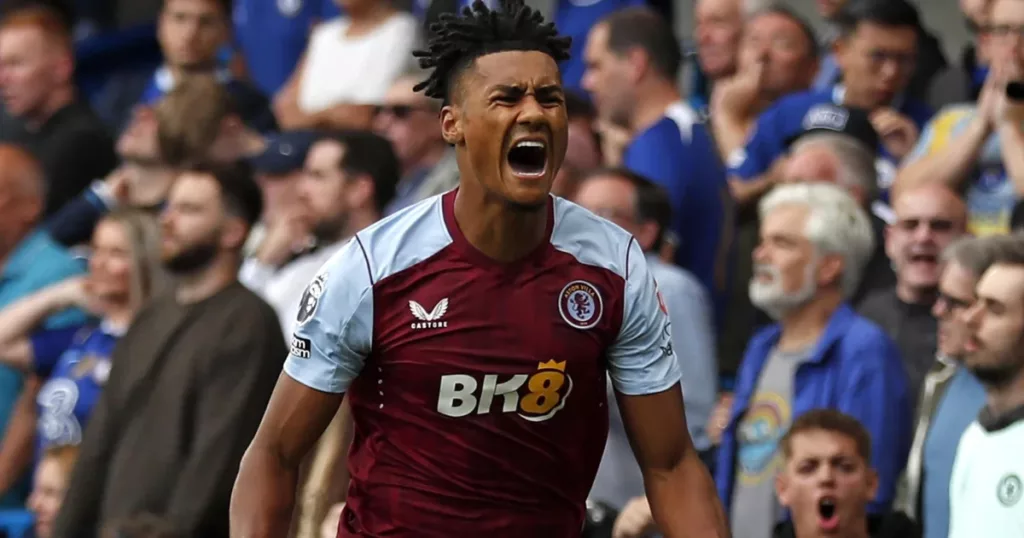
[678, 153]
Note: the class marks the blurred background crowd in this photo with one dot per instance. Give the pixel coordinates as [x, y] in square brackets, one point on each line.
[827, 192]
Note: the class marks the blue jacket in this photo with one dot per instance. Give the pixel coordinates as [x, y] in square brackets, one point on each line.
[855, 368]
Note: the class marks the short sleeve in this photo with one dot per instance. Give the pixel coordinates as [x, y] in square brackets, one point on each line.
[47, 347]
[334, 328]
[642, 361]
[761, 149]
[924, 143]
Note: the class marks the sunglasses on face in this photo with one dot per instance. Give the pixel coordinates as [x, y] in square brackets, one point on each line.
[936, 225]
[399, 111]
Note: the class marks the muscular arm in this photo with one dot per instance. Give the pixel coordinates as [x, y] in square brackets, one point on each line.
[261, 503]
[682, 495]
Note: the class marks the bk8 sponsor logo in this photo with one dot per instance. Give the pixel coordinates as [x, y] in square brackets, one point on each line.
[534, 397]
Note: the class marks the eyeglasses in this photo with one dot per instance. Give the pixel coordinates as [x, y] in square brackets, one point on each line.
[1003, 30]
[936, 225]
[400, 111]
[952, 303]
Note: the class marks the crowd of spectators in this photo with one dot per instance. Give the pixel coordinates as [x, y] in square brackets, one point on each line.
[829, 216]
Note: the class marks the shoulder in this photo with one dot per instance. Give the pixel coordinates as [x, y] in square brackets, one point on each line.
[407, 238]
[877, 304]
[402, 22]
[52, 259]
[675, 279]
[867, 343]
[591, 240]
[243, 304]
[918, 111]
[801, 101]
[326, 29]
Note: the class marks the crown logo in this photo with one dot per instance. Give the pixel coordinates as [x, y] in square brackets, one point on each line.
[552, 365]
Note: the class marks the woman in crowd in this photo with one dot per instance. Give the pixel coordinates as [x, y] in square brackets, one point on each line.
[349, 64]
[51, 482]
[73, 364]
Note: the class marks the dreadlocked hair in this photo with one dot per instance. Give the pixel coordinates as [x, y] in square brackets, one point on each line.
[458, 39]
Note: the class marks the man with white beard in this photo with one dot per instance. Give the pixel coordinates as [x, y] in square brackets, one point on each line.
[814, 243]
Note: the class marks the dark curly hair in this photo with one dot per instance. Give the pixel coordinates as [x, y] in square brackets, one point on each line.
[457, 40]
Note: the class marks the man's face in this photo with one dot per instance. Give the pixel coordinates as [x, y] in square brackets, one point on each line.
[719, 29]
[1006, 38]
[582, 154]
[956, 295]
[409, 121]
[323, 189]
[192, 224]
[510, 119]
[612, 198]
[828, 9]
[778, 41]
[30, 69]
[996, 325]
[927, 221]
[608, 78]
[876, 62]
[191, 32]
[812, 162]
[826, 485]
[784, 262]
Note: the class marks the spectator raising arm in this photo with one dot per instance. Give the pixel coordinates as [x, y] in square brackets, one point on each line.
[950, 160]
[20, 319]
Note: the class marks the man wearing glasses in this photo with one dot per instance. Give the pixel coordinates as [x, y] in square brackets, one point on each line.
[951, 396]
[877, 54]
[408, 120]
[927, 219]
[978, 147]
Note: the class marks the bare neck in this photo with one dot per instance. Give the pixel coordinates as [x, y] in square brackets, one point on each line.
[657, 96]
[1006, 398]
[367, 19]
[501, 232]
[359, 220]
[120, 315]
[58, 99]
[208, 281]
[802, 327]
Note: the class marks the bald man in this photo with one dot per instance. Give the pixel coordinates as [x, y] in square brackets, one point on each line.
[927, 219]
[29, 261]
[42, 110]
[409, 120]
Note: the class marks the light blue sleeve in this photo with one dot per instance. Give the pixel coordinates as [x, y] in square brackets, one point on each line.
[924, 144]
[642, 361]
[689, 311]
[334, 330]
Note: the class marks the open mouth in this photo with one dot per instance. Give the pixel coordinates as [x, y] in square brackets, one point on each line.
[827, 511]
[528, 158]
[924, 258]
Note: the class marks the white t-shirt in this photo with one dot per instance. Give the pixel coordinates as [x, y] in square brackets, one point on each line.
[985, 493]
[357, 70]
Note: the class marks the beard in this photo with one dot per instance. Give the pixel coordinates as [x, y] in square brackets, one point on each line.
[997, 374]
[772, 299]
[329, 231]
[192, 258]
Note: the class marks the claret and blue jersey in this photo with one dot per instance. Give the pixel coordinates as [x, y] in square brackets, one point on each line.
[478, 389]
